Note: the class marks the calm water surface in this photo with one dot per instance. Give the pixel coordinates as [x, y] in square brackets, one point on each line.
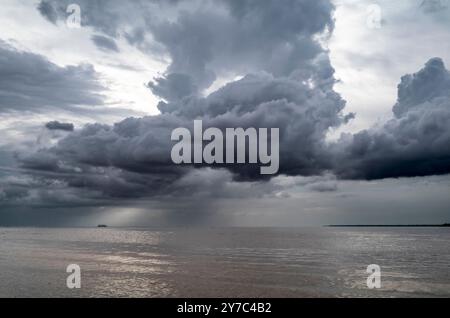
[232, 262]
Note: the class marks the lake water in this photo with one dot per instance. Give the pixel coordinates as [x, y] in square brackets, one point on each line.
[225, 262]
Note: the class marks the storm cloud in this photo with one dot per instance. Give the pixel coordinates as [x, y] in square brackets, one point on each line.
[413, 143]
[281, 78]
[286, 82]
[133, 156]
[210, 39]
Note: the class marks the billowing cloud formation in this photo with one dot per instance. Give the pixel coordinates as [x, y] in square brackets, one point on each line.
[288, 83]
[245, 36]
[133, 155]
[143, 145]
[29, 82]
[414, 143]
[289, 86]
[427, 85]
[210, 39]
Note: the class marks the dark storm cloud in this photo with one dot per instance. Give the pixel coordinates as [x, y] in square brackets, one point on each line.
[142, 145]
[56, 125]
[303, 114]
[127, 160]
[29, 82]
[133, 156]
[415, 142]
[428, 85]
[288, 84]
[105, 43]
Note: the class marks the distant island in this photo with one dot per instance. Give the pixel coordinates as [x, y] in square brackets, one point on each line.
[102, 225]
[390, 225]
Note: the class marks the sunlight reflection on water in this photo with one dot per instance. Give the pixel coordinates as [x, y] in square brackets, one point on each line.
[320, 262]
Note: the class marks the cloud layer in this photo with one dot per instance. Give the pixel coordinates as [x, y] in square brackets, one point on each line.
[133, 156]
[282, 78]
[29, 82]
[289, 85]
[209, 39]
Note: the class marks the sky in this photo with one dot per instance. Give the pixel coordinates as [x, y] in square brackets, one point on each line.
[360, 91]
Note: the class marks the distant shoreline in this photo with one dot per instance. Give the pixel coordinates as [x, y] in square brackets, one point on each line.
[389, 225]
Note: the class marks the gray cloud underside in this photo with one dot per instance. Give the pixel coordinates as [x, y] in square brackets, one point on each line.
[414, 143]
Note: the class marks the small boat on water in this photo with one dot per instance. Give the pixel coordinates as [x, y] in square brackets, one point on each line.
[102, 225]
